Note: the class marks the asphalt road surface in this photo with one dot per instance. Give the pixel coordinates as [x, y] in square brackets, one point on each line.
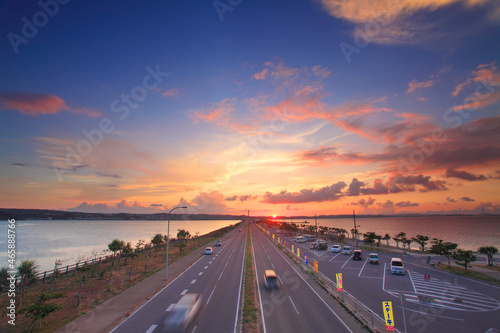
[298, 305]
[217, 277]
[458, 304]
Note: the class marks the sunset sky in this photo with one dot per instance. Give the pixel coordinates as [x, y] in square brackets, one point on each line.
[277, 107]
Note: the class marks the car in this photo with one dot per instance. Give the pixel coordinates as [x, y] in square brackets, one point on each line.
[310, 238]
[346, 250]
[218, 242]
[336, 249]
[397, 266]
[373, 258]
[357, 255]
[239, 230]
[182, 314]
[321, 245]
[271, 279]
[312, 245]
[209, 250]
[300, 239]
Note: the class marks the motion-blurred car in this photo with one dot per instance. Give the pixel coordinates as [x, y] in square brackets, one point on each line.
[271, 279]
[336, 249]
[346, 250]
[357, 255]
[373, 258]
[209, 250]
[182, 313]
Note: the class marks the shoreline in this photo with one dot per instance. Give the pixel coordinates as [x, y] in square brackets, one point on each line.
[104, 290]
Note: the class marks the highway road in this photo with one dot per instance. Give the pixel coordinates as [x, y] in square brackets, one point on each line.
[299, 305]
[459, 304]
[217, 277]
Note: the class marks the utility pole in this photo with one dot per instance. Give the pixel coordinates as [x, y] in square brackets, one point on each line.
[315, 220]
[355, 229]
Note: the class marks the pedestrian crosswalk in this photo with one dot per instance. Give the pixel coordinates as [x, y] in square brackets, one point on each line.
[447, 295]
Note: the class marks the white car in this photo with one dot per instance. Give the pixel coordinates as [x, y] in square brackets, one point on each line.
[397, 266]
[346, 250]
[182, 314]
[209, 250]
[336, 249]
[300, 239]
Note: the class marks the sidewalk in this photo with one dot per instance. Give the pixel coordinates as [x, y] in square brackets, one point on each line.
[109, 313]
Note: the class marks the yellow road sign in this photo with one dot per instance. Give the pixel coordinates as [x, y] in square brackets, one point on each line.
[339, 281]
[389, 316]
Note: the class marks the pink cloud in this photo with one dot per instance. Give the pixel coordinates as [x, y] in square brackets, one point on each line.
[486, 75]
[261, 75]
[171, 93]
[414, 85]
[34, 104]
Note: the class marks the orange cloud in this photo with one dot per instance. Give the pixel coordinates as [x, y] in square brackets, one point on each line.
[396, 21]
[485, 77]
[34, 104]
[414, 85]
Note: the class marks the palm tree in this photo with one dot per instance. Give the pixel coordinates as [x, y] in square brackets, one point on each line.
[489, 251]
[4, 282]
[27, 270]
[115, 246]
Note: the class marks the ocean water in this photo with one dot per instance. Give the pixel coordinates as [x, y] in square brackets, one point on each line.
[46, 241]
[469, 232]
[71, 240]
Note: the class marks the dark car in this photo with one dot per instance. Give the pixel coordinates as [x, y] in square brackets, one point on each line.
[321, 245]
[358, 255]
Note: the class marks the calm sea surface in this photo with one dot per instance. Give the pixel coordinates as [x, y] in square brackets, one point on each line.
[47, 241]
[71, 241]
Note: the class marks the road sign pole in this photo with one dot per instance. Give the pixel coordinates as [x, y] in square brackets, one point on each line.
[402, 297]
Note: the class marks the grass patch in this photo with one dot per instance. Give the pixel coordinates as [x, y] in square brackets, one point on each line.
[250, 310]
[470, 273]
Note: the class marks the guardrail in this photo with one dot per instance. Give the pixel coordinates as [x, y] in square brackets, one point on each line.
[364, 314]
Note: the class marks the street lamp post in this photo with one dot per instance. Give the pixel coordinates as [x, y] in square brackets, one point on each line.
[168, 238]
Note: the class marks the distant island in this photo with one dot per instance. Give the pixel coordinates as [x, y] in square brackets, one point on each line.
[47, 214]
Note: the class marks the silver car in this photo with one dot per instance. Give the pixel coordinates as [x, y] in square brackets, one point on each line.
[182, 314]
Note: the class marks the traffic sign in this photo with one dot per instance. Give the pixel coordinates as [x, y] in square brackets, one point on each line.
[339, 281]
[316, 266]
[298, 252]
[305, 256]
[389, 316]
